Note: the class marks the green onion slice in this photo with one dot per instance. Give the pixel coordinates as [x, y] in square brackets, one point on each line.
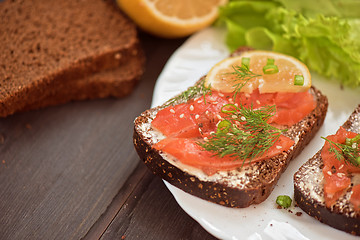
[224, 126]
[351, 141]
[270, 61]
[229, 108]
[299, 80]
[270, 67]
[245, 61]
[284, 201]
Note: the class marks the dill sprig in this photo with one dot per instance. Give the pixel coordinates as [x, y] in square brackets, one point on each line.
[243, 76]
[244, 133]
[190, 93]
[349, 152]
[242, 72]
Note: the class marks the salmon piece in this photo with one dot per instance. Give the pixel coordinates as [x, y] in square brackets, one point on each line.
[187, 123]
[190, 119]
[292, 107]
[189, 152]
[336, 172]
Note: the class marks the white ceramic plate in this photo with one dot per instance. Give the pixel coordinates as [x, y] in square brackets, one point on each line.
[264, 221]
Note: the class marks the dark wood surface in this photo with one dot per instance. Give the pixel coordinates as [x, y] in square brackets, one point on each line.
[71, 172]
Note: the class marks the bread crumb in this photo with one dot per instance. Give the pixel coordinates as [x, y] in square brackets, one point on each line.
[117, 56]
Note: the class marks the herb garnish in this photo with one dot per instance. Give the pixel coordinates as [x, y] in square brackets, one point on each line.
[349, 152]
[284, 201]
[244, 134]
[243, 74]
[190, 93]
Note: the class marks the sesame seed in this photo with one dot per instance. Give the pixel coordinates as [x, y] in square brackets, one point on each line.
[340, 174]
[243, 118]
[200, 131]
[172, 110]
[278, 147]
[215, 103]
[207, 112]
[181, 115]
[342, 165]
[257, 101]
[206, 139]
[221, 95]
[197, 116]
[234, 116]
[354, 145]
[329, 173]
[231, 100]
[191, 108]
[218, 116]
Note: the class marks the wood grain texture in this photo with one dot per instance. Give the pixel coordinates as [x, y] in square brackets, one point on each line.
[151, 212]
[61, 167]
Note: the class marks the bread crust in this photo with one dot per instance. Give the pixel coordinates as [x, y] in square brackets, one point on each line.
[256, 188]
[340, 216]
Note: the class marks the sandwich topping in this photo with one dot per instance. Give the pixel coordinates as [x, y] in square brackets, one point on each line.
[341, 157]
[237, 122]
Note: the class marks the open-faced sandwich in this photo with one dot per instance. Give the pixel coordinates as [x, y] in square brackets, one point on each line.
[228, 138]
[327, 186]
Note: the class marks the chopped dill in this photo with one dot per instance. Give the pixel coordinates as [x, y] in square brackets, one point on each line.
[190, 93]
[248, 136]
[243, 74]
[349, 152]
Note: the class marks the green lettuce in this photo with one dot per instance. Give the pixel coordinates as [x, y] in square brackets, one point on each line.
[323, 36]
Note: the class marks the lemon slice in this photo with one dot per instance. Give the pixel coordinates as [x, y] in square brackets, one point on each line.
[171, 18]
[292, 75]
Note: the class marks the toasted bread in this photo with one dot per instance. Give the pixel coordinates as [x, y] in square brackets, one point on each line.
[236, 188]
[309, 190]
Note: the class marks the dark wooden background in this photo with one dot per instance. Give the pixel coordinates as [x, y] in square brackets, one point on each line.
[71, 171]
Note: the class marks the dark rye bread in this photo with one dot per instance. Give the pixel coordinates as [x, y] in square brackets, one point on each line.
[46, 41]
[117, 83]
[237, 188]
[309, 191]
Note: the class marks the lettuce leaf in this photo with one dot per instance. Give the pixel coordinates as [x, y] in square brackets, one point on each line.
[329, 44]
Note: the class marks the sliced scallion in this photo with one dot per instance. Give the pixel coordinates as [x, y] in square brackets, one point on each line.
[299, 80]
[270, 67]
[245, 61]
[223, 126]
[284, 201]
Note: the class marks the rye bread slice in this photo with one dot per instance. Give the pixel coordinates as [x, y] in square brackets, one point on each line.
[237, 188]
[117, 83]
[309, 190]
[46, 41]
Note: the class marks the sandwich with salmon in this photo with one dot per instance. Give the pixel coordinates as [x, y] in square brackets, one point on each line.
[228, 138]
[327, 186]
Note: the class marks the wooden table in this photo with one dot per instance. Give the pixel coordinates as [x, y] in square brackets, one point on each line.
[71, 171]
